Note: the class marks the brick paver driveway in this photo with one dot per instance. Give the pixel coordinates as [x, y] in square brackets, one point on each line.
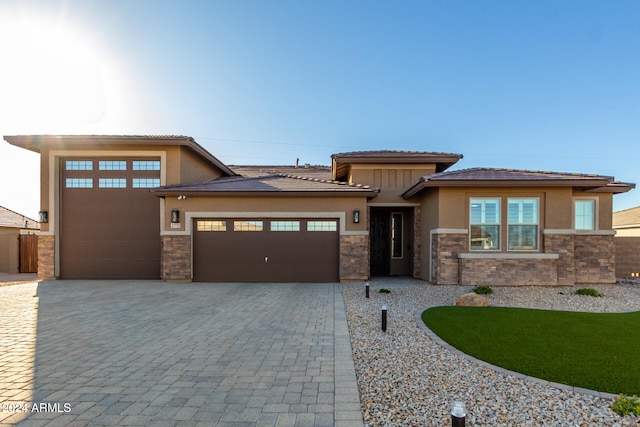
[78, 353]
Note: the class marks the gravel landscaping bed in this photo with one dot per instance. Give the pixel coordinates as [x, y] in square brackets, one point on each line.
[405, 379]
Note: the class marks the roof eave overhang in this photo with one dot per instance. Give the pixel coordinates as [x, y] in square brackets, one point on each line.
[590, 185]
[191, 193]
[36, 143]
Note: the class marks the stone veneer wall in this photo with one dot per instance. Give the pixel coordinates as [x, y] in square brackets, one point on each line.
[417, 247]
[563, 245]
[354, 257]
[444, 257]
[508, 272]
[627, 255]
[595, 258]
[175, 261]
[46, 256]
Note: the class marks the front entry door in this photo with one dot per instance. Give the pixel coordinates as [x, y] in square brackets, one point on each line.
[380, 237]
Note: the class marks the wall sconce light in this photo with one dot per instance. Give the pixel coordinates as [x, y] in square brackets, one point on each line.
[175, 216]
[356, 216]
[44, 216]
[182, 197]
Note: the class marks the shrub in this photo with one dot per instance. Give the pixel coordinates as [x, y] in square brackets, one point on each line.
[588, 291]
[384, 291]
[626, 405]
[483, 290]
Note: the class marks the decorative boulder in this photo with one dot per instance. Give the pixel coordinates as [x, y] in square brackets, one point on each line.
[472, 300]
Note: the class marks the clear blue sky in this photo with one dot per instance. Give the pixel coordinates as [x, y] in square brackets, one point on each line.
[550, 85]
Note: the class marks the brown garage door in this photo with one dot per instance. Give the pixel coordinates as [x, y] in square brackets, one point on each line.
[110, 223]
[265, 250]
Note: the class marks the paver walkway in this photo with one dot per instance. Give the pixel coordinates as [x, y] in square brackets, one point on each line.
[78, 353]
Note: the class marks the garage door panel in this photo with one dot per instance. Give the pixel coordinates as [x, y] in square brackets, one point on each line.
[108, 233]
[265, 256]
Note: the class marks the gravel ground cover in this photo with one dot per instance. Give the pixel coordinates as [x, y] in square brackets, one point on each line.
[405, 379]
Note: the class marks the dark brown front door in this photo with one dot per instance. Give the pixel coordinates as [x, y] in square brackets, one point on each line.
[109, 222]
[391, 240]
[265, 250]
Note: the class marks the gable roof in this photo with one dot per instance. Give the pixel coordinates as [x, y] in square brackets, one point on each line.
[342, 161]
[37, 142]
[627, 218]
[271, 185]
[310, 171]
[9, 218]
[492, 177]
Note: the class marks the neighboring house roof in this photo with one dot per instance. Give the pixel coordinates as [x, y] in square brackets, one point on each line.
[488, 177]
[9, 218]
[271, 185]
[37, 142]
[341, 161]
[628, 218]
[311, 171]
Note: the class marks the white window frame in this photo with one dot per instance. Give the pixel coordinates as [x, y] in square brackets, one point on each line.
[596, 209]
[498, 224]
[536, 224]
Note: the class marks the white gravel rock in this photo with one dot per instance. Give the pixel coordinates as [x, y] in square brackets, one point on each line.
[405, 379]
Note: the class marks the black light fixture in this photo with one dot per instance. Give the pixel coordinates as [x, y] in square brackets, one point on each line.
[175, 216]
[356, 216]
[44, 216]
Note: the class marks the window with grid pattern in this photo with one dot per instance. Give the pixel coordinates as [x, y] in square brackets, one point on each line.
[522, 214]
[146, 165]
[322, 225]
[145, 182]
[211, 225]
[79, 165]
[79, 183]
[484, 224]
[285, 225]
[112, 183]
[112, 165]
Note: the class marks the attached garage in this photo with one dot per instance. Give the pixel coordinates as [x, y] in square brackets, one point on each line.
[265, 250]
[109, 221]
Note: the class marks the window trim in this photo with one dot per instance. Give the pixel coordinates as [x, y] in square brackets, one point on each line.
[596, 209]
[498, 248]
[536, 224]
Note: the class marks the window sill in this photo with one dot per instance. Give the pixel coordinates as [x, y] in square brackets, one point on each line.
[503, 255]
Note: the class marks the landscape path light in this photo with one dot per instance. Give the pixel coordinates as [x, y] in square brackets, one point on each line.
[458, 414]
[384, 318]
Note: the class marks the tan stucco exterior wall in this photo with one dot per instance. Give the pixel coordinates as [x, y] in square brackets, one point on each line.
[9, 250]
[445, 217]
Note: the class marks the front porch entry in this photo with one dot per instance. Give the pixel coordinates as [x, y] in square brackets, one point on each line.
[391, 240]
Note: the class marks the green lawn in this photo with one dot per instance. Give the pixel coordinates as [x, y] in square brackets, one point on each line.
[592, 350]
